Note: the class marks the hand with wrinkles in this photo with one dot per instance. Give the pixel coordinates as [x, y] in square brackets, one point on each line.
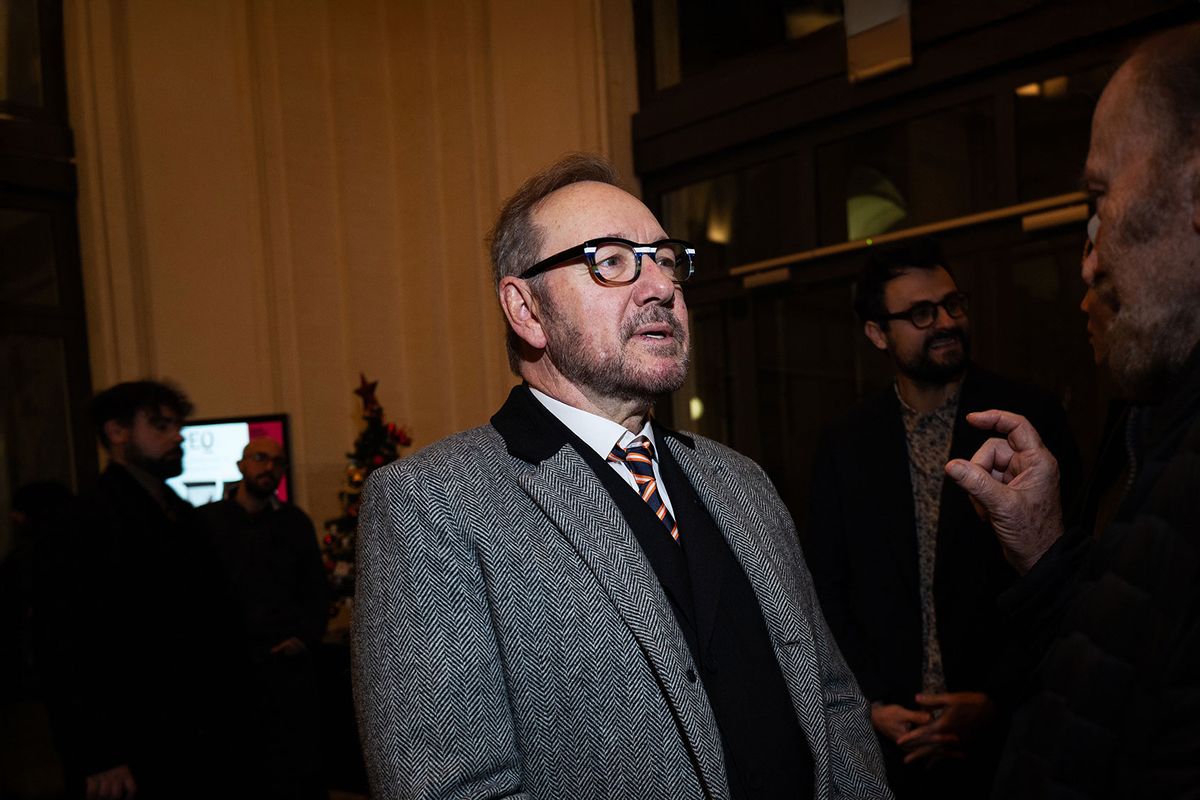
[111, 784]
[1013, 483]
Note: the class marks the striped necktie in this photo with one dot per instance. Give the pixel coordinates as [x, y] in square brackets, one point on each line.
[639, 459]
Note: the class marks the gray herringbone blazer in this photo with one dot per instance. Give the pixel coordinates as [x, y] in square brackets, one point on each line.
[511, 639]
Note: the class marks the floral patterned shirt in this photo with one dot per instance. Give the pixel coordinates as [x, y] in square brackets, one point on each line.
[929, 437]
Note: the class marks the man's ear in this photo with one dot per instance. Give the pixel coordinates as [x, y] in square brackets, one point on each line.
[521, 311]
[875, 333]
[116, 433]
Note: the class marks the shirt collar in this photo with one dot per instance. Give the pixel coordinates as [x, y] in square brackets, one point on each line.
[597, 432]
[945, 413]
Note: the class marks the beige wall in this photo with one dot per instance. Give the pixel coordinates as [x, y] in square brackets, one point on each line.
[277, 195]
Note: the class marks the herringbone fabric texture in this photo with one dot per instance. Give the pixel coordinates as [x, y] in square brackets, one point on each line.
[638, 458]
[511, 640]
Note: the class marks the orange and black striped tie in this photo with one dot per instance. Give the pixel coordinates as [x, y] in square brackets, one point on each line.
[639, 459]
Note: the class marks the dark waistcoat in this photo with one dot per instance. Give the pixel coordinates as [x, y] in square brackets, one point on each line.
[765, 750]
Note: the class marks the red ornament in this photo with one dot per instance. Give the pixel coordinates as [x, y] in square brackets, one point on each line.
[377, 460]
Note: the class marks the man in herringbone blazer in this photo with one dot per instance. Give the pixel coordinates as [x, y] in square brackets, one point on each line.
[574, 602]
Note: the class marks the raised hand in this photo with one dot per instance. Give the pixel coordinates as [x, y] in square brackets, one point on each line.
[1014, 482]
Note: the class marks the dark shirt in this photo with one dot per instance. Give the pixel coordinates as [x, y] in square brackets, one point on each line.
[274, 565]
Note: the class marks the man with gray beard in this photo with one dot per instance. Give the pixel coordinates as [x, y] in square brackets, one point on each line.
[1113, 622]
[575, 601]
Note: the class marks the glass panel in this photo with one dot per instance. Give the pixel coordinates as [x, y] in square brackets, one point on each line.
[922, 170]
[35, 430]
[27, 271]
[691, 38]
[813, 362]
[701, 405]
[1053, 121]
[20, 53]
[739, 217]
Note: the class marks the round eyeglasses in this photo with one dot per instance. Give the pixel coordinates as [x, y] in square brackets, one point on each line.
[924, 314]
[618, 262]
[279, 462]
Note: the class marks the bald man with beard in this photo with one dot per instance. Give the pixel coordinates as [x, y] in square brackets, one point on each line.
[270, 554]
[1113, 621]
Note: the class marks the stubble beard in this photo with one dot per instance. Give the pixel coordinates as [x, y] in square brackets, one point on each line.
[1156, 326]
[616, 375]
[1150, 339]
[167, 466]
[924, 369]
[259, 490]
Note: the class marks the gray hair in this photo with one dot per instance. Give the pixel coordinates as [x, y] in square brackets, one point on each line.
[515, 241]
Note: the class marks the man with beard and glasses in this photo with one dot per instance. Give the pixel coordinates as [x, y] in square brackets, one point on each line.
[907, 573]
[271, 558]
[1112, 620]
[137, 636]
[575, 601]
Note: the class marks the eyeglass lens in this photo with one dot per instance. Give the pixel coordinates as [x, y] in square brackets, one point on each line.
[924, 314]
[617, 263]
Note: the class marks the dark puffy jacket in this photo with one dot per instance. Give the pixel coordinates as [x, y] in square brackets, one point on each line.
[1113, 624]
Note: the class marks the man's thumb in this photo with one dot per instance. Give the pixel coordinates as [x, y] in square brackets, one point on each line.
[976, 481]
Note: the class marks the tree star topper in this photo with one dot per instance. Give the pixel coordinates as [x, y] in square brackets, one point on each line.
[366, 390]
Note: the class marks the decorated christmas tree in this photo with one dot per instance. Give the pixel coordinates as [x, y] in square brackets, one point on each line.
[379, 443]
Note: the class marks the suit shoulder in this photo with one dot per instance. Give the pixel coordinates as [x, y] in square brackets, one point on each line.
[865, 415]
[716, 452]
[445, 456]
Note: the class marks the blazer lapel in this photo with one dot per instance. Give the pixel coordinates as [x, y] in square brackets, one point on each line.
[742, 525]
[955, 513]
[888, 478]
[571, 496]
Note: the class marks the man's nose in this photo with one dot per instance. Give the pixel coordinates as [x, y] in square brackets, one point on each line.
[943, 319]
[653, 284]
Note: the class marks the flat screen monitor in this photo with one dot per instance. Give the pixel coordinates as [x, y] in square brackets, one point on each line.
[212, 448]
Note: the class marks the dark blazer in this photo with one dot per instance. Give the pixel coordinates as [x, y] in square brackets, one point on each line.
[862, 548]
[512, 640]
[138, 642]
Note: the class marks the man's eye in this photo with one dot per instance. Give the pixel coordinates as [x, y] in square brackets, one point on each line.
[666, 262]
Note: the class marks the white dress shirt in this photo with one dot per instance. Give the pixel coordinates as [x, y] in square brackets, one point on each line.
[601, 434]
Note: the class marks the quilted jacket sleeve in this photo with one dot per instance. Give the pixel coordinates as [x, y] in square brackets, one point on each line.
[429, 688]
